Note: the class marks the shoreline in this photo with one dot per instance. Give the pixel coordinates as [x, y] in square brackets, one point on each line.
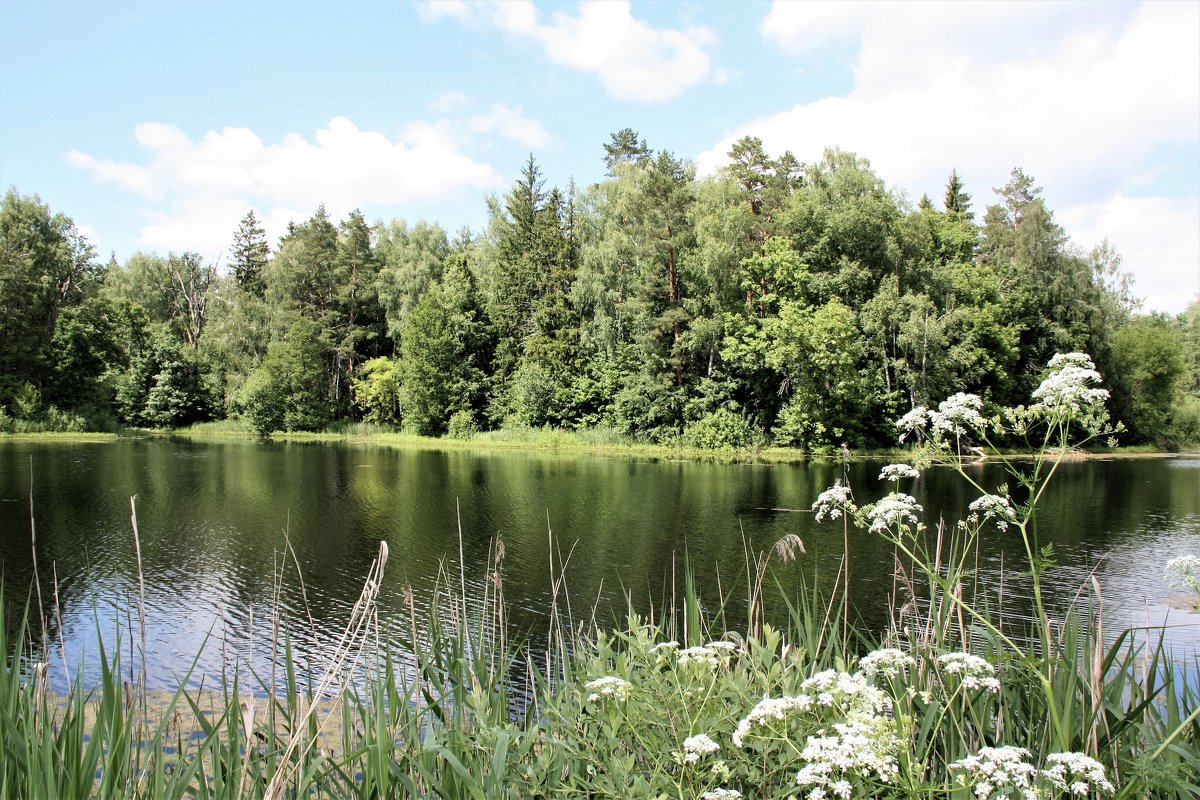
[560, 441]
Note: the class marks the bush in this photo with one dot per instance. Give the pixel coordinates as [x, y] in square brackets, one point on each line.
[722, 430]
[462, 425]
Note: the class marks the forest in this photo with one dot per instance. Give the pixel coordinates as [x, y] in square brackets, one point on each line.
[776, 303]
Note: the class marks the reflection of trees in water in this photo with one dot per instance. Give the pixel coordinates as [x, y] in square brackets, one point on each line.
[212, 520]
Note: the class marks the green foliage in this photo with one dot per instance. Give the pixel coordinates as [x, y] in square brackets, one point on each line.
[722, 429]
[284, 392]
[377, 391]
[1146, 368]
[808, 298]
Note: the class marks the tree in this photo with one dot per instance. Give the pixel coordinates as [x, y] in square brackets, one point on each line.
[411, 260]
[285, 392]
[957, 201]
[250, 255]
[190, 278]
[624, 147]
[439, 355]
[46, 265]
[1147, 365]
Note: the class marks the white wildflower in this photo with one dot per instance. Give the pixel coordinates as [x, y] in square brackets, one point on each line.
[895, 509]
[608, 686]
[699, 745]
[1076, 772]
[769, 709]
[994, 506]
[699, 656]
[728, 647]
[721, 794]
[848, 692]
[913, 421]
[973, 671]
[861, 746]
[997, 768]
[1183, 574]
[895, 472]
[834, 501]
[888, 662]
[1069, 386]
[956, 414]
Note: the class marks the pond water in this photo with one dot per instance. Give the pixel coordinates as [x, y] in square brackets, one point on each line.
[212, 519]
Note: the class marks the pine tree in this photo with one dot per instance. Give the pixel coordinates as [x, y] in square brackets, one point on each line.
[957, 201]
[250, 254]
[624, 147]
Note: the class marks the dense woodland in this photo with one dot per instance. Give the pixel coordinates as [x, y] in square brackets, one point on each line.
[776, 303]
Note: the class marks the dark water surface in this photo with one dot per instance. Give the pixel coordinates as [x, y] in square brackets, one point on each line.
[212, 518]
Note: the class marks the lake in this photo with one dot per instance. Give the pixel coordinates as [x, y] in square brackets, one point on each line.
[212, 518]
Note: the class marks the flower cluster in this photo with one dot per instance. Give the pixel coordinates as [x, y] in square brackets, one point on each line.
[834, 501]
[849, 692]
[913, 422]
[1076, 773]
[894, 510]
[1183, 573]
[895, 472]
[973, 671]
[699, 745]
[699, 656]
[1069, 386]
[721, 794]
[863, 746]
[608, 686]
[993, 506]
[888, 662]
[957, 414]
[768, 710]
[997, 768]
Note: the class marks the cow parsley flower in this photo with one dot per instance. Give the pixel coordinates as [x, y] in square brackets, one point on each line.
[768, 710]
[861, 746]
[699, 745]
[914, 421]
[699, 656]
[995, 769]
[1183, 573]
[888, 662]
[834, 501]
[608, 686]
[1076, 773]
[994, 506]
[957, 414]
[973, 671]
[721, 794]
[850, 693]
[895, 472]
[895, 509]
[1070, 386]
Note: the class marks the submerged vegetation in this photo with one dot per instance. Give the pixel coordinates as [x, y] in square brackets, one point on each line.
[950, 700]
[773, 304]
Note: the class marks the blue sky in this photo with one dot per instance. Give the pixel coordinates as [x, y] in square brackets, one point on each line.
[155, 126]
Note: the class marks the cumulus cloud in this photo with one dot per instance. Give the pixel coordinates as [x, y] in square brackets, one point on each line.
[433, 10]
[1146, 231]
[632, 59]
[447, 102]
[1081, 97]
[200, 189]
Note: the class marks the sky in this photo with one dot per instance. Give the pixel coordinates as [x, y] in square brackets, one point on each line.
[157, 125]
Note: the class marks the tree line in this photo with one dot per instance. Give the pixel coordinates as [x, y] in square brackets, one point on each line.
[775, 303]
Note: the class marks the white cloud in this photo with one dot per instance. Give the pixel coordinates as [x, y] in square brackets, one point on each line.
[511, 124]
[200, 189]
[1146, 231]
[1084, 97]
[632, 59]
[433, 10]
